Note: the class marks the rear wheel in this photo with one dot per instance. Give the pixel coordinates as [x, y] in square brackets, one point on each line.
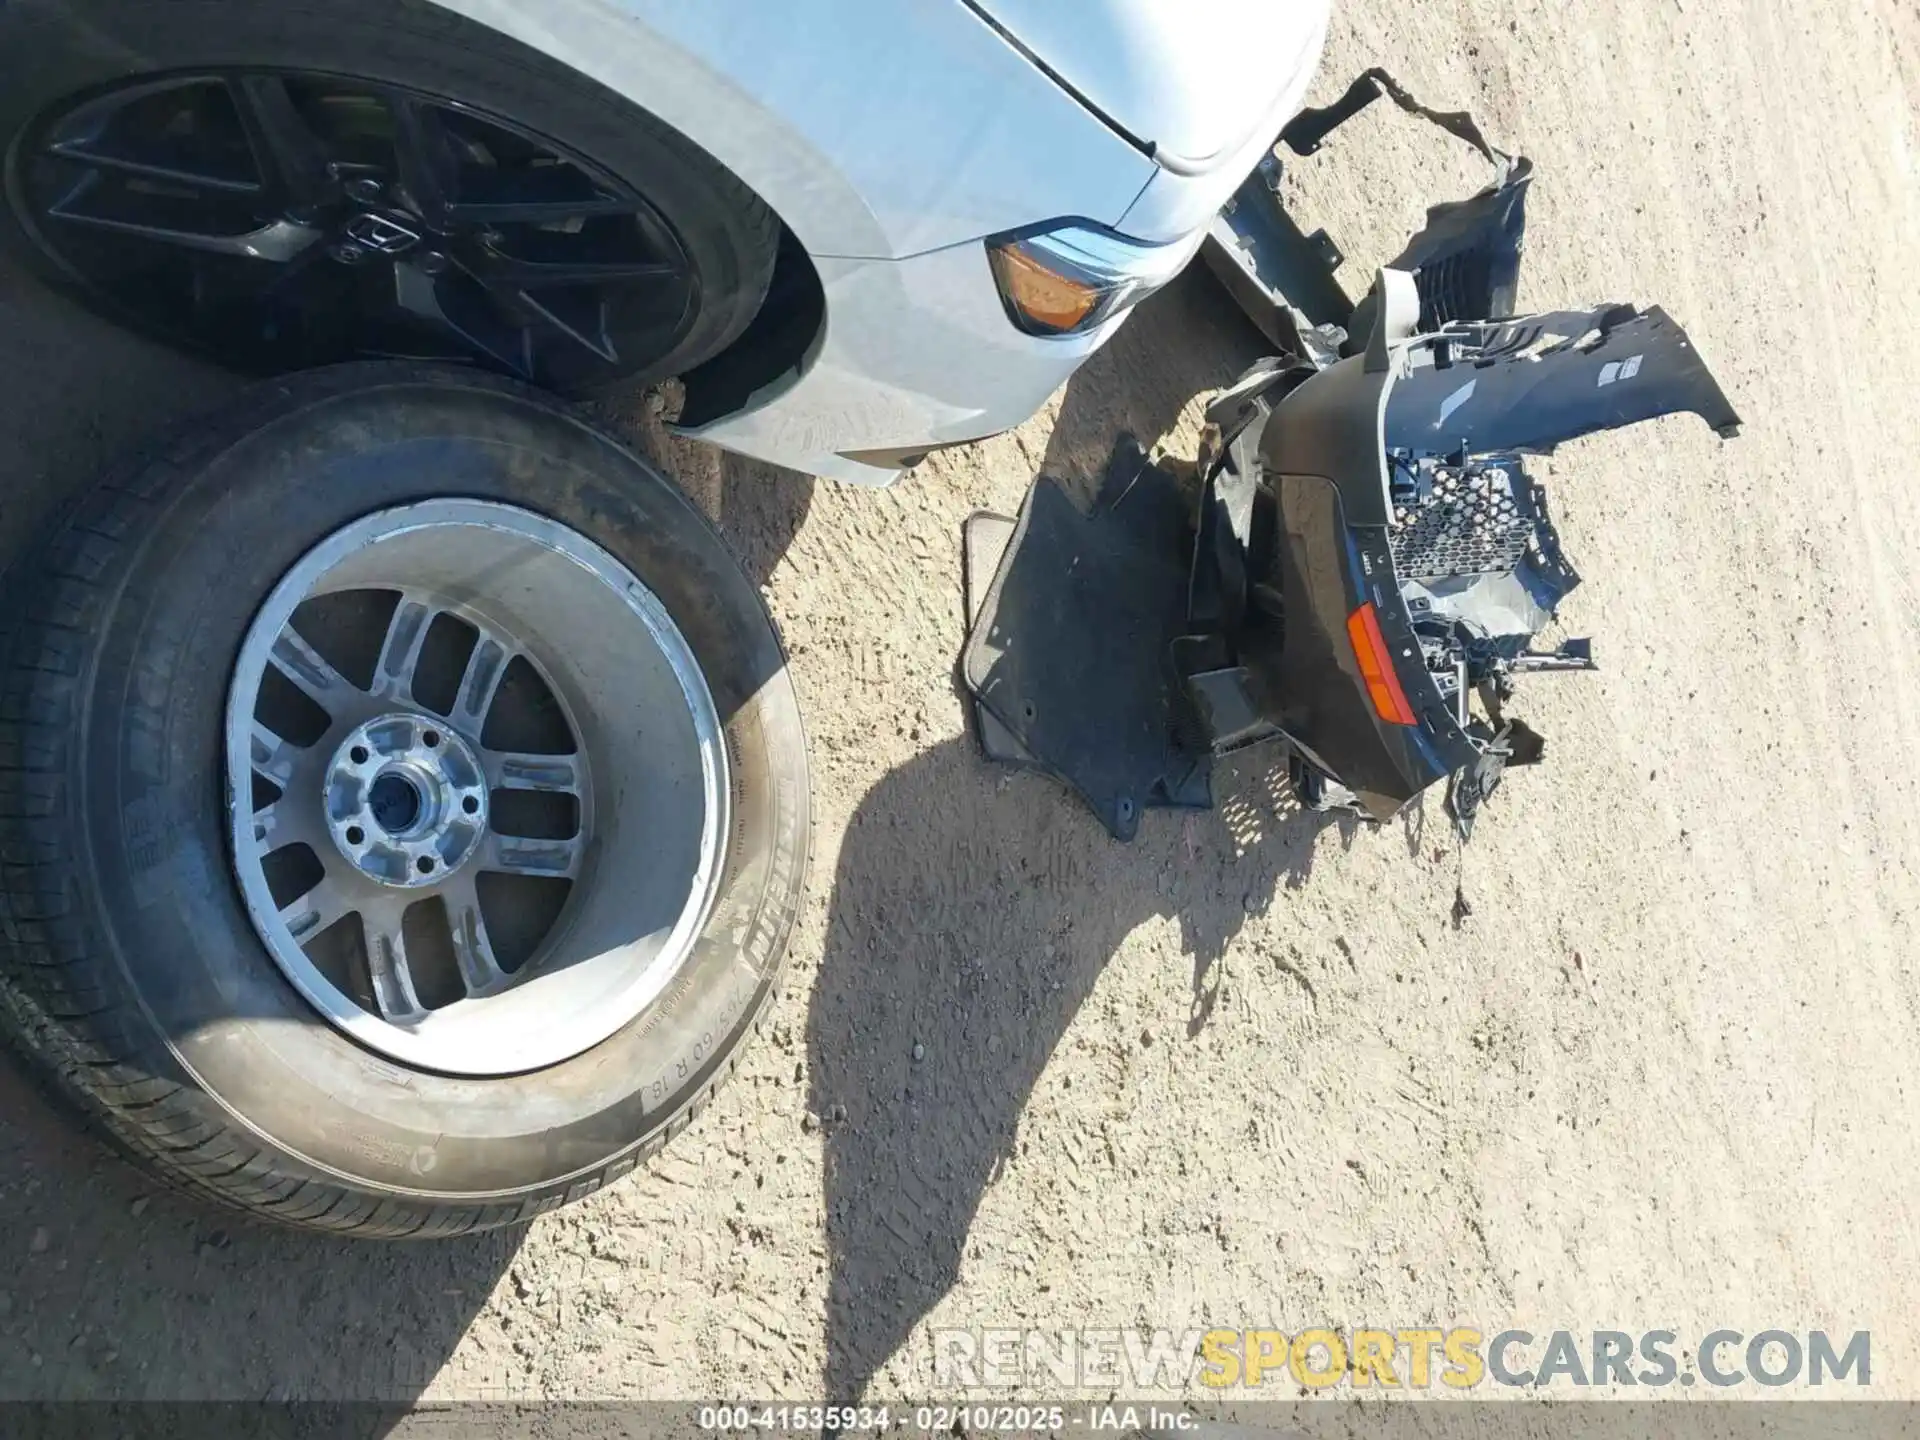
[403, 806]
[286, 186]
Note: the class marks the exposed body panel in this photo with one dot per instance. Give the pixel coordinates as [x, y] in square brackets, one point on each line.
[1175, 204]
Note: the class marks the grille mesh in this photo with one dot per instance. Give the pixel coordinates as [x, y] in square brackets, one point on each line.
[1464, 523]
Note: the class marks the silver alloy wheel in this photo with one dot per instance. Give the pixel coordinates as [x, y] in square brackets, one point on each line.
[405, 810]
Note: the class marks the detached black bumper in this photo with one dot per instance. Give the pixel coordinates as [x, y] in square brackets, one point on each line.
[1334, 448]
[1328, 571]
[1371, 561]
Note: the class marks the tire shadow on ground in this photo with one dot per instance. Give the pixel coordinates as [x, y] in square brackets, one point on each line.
[119, 1289]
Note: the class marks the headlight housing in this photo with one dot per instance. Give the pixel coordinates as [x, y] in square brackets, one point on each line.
[1068, 277]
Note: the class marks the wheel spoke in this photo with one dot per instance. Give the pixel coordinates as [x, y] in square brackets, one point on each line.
[279, 241]
[400, 652]
[290, 156]
[309, 670]
[481, 682]
[551, 774]
[82, 152]
[289, 822]
[393, 988]
[273, 758]
[472, 948]
[565, 296]
[316, 911]
[523, 275]
[293, 816]
[518, 855]
[418, 294]
[600, 343]
[426, 158]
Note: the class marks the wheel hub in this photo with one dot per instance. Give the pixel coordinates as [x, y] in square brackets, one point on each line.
[406, 800]
[382, 233]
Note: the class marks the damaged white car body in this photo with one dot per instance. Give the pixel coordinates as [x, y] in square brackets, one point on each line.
[896, 140]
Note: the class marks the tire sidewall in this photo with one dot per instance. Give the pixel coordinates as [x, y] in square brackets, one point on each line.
[152, 770]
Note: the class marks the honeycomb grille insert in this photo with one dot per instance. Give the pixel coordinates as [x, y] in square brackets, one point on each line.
[1462, 523]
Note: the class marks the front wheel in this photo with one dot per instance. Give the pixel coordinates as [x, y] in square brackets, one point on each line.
[292, 185]
[406, 808]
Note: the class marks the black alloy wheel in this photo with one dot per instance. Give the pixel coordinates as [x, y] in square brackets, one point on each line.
[280, 220]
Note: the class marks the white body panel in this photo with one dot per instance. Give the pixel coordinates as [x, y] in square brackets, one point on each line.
[917, 353]
[874, 128]
[1177, 203]
[893, 136]
[1194, 79]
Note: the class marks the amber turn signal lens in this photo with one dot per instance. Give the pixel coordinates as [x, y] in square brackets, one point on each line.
[1074, 276]
[1376, 667]
[1044, 297]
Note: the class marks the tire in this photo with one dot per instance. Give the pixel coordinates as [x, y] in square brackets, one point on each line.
[131, 973]
[80, 46]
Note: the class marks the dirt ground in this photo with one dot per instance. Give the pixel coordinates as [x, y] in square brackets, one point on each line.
[1248, 1071]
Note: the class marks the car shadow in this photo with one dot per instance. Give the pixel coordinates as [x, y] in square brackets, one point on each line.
[959, 948]
[1186, 341]
[119, 1289]
[960, 944]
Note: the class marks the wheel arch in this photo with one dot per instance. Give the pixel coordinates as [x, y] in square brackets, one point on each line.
[622, 50]
[819, 210]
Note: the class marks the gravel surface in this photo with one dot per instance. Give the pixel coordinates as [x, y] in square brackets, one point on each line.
[1254, 1069]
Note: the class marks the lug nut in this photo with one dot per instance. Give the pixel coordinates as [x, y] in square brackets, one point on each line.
[432, 262]
[364, 190]
[348, 253]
